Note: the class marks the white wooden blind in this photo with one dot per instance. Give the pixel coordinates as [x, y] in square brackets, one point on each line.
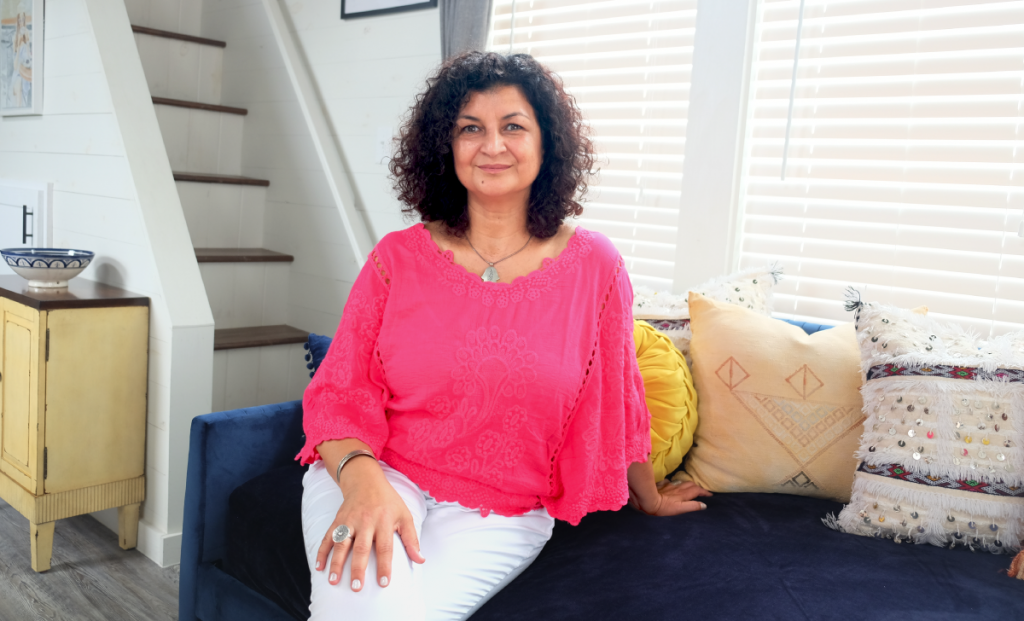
[905, 167]
[627, 63]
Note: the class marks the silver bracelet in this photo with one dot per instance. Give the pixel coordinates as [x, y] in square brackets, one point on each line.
[344, 460]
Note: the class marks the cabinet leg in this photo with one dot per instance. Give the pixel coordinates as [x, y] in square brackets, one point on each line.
[128, 526]
[42, 545]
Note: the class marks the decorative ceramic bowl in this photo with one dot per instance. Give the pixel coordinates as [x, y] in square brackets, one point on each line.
[47, 267]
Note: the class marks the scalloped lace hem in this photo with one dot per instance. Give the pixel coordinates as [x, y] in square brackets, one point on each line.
[573, 514]
[309, 455]
[449, 488]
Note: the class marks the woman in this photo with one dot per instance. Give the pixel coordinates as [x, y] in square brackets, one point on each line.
[483, 381]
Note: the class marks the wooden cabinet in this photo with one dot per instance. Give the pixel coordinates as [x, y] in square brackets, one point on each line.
[73, 376]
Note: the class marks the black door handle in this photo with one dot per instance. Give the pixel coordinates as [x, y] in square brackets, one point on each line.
[24, 224]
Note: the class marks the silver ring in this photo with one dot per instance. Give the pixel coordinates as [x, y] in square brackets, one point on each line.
[341, 533]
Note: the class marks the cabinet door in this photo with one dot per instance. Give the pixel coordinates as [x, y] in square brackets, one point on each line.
[19, 361]
[96, 396]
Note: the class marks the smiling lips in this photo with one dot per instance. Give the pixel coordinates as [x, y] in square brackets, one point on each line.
[494, 168]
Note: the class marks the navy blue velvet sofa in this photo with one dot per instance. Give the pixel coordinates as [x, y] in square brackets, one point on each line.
[749, 556]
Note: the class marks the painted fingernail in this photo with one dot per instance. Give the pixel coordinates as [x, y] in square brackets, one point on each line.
[333, 578]
[318, 565]
[384, 581]
[703, 506]
[356, 585]
[677, 482]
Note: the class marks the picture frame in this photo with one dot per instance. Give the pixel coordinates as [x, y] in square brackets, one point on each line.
[21, 57]
[368, 8]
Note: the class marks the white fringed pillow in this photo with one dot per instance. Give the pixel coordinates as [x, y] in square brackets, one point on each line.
[670, 314]
[941, 456]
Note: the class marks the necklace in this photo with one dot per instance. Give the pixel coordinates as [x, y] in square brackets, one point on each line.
[490, 274]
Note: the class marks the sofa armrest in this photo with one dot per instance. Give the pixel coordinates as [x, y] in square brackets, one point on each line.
[227, 449]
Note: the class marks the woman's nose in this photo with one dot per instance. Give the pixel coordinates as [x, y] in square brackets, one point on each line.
[494, 143]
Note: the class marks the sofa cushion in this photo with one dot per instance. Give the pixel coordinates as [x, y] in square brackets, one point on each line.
[941, 447]
[779, 409]
[756, 556]
[317, 346]
[749, 556]
[670, 396]
[263, 543]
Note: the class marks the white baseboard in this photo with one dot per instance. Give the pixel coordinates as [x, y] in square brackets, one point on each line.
[162, 548]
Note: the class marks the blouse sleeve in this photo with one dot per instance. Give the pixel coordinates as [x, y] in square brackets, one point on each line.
[347, 396]
[610, 426]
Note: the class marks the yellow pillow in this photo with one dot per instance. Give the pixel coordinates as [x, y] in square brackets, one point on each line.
[780, 410]
[670, 398]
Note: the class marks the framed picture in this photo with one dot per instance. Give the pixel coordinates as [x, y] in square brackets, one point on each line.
[21, 57]
[366, 8]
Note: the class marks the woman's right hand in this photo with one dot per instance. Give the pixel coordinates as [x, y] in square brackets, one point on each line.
[373, 511]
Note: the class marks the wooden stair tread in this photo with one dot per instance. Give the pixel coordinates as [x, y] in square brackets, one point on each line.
[167, 34]
[181, 103]
[257, 336]
[241, 255]
[232, 179]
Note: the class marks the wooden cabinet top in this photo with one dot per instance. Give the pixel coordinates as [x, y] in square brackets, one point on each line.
[80, 293]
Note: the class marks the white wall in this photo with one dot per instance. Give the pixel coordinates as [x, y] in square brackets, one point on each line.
[99, 143]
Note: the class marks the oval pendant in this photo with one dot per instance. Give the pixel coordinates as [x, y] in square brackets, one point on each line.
[490, 275]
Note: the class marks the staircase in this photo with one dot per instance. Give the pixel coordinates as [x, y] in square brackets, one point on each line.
[258, 357]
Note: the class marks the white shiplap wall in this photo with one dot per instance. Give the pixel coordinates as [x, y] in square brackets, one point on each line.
[101, 149]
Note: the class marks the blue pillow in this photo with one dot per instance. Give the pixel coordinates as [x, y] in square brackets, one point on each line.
[317, 346]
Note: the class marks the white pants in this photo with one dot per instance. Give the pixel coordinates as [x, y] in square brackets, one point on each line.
[469, 558]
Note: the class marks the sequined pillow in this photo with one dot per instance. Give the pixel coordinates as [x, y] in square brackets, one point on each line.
[670, 313]
[940, 455]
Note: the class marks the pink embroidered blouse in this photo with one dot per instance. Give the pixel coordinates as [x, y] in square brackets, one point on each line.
[500, 396]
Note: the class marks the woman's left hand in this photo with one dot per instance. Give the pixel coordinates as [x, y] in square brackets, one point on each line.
[673, 498]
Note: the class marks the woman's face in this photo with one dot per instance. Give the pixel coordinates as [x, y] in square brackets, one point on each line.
[497, 145]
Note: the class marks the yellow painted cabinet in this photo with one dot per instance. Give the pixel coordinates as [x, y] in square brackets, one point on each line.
[73, 376]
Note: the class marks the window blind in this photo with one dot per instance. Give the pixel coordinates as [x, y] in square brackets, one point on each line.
[904, 174]
[627, 64]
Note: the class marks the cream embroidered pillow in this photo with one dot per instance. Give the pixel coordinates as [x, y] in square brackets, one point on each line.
[670, 314]
[779, 409]
[941, 450]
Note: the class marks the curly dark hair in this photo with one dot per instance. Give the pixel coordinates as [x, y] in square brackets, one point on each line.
[423, 170]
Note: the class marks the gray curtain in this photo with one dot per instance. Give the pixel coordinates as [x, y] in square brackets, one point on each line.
[464, 25]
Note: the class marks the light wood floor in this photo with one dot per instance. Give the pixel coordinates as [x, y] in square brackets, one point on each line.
[90, 576]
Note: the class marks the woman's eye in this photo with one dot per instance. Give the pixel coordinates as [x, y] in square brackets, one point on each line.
[513, 126]
[469, 129]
